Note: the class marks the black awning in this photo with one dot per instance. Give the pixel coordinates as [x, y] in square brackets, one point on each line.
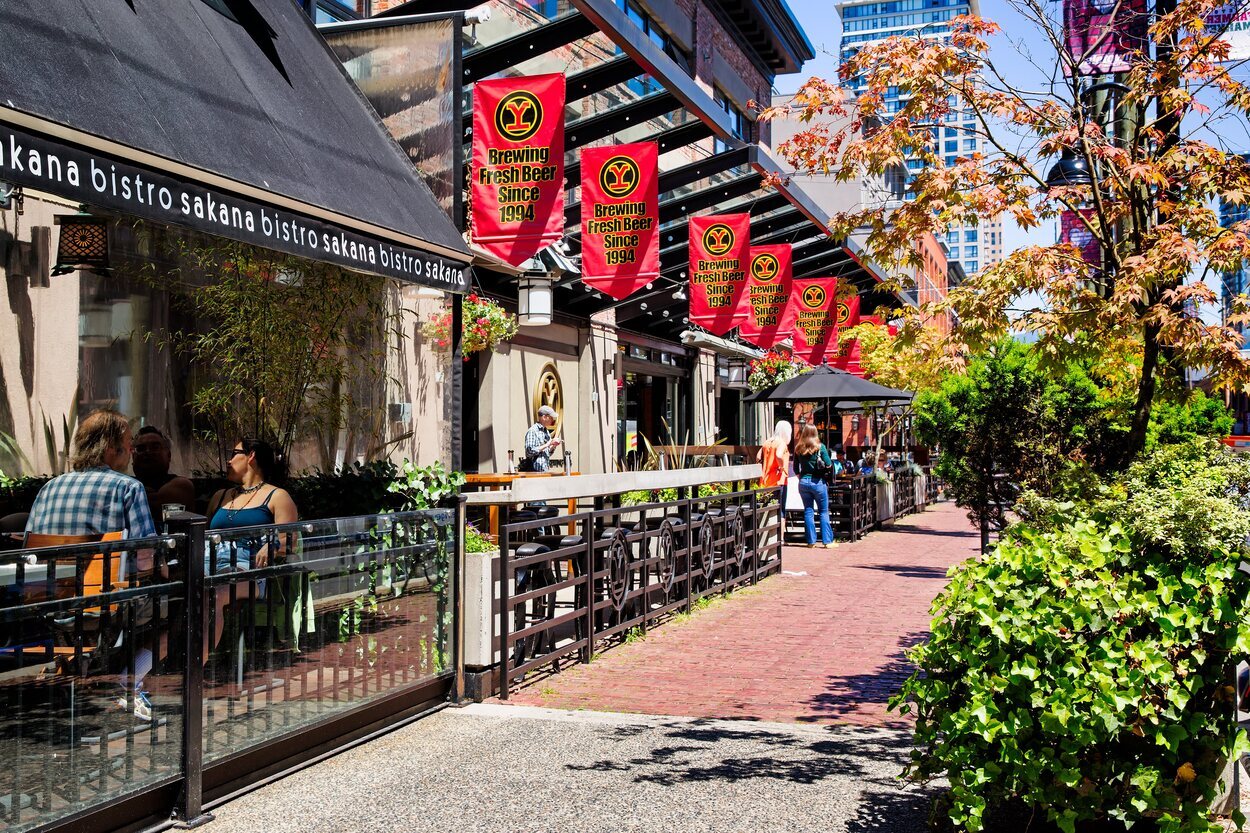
[251, 101]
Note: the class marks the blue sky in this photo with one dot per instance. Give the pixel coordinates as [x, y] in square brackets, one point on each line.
[823, 27]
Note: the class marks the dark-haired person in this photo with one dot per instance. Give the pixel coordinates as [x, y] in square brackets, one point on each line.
[812, 463]
[95, 498]
[254, 500]
[152, 456]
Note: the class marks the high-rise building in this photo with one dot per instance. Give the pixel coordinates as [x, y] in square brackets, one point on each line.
[975, 247]
[1234, 282]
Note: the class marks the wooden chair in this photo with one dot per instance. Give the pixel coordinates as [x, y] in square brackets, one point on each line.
[93, 584]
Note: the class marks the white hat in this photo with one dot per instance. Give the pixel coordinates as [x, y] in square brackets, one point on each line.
[547, 410]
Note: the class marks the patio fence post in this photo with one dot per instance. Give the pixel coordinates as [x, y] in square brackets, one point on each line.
[192, 527]
[588, 529]
[458, 596]
[687, 513]
[505, 615]
[755, 538]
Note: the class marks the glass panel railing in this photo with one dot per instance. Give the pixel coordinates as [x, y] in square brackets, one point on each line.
[91, 701]
[306, 621]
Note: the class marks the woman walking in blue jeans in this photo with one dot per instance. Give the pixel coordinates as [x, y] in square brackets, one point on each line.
[812, 464]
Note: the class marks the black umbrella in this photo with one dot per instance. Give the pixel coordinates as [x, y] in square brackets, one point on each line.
[825, 382]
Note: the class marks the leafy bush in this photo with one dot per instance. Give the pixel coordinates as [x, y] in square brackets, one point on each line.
[1082, 667]
[358, 489]
[424, 487]
[18, 494]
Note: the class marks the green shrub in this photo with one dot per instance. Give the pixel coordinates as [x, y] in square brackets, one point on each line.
[358, 489]
[1082, 667]
[424, 487]
[475, 541]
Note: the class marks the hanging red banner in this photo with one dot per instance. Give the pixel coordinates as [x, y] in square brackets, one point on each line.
[621, 217]
[720, 245]
[517, 190]
[815, 319]
[769, 315]
[848, 353]
[848, 312]
[848, 357]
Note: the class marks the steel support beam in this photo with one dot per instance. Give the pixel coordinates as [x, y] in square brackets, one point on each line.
[509, 52]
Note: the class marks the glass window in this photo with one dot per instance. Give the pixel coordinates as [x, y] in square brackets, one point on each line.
[954, 252]
[972, 267]
[971, 251]
[970, 144]
[970, 235]
[952, 145]
[324, 15]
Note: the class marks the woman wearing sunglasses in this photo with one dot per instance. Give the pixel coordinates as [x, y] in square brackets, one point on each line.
[253, 501]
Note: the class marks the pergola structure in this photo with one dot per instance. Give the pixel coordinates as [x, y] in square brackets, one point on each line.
[637, 92]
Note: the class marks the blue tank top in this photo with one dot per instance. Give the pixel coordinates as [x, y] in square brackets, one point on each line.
[241, 557]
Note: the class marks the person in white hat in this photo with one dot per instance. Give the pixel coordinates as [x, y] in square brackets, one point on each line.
[539, 442]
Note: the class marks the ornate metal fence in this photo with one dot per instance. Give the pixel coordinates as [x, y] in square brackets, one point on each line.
[572, 585]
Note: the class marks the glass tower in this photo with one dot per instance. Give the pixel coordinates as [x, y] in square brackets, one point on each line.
[975, 247]
[1233, 283]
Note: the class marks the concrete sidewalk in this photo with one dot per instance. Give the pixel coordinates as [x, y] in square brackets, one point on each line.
[510, 768]
[821, 643]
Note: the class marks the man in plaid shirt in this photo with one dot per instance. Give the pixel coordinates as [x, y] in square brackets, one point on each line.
[538, 441]
[96, 497]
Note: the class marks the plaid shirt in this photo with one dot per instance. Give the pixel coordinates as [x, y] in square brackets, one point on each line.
[535, 438]
[92, 502]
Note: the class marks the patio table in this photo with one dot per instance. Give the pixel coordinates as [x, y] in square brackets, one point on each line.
[502, 481]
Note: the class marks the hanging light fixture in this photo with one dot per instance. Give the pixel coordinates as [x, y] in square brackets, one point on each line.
[534, 300]
[84, 243]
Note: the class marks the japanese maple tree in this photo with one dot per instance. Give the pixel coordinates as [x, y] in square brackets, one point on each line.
[1150, 140]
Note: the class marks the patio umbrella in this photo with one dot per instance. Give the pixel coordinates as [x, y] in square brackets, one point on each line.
[826, 383]
[836, 388]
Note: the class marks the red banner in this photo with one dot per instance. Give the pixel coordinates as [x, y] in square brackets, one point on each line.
[517, 190]
[720, 245]
[848, 354]
[1073, 231]
[848, 357]
[621, 217]
[848, 312]
[769, 315]
[816, 319]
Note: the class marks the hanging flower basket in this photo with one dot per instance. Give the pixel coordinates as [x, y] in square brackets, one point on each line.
[773, 368]
[486, 325]
[437, 330]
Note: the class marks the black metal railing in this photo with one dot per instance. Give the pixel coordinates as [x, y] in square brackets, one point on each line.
[128, 666]
[572, 585]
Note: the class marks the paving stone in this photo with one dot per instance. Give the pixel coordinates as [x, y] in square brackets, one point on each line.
[821, 643]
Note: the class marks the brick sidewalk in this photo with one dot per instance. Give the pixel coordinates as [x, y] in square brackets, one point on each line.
[823, 646]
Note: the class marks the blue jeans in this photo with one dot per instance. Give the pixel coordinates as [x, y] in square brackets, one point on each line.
[815, 494]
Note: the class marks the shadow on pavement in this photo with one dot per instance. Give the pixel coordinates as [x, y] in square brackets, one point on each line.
[882, 811]
[906, 570]
[693, 754]
[970, 534]
[843, 695]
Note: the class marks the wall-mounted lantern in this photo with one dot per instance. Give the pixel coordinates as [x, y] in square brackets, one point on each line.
[84, 243]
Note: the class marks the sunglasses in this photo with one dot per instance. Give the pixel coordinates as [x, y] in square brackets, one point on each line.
[236, 451]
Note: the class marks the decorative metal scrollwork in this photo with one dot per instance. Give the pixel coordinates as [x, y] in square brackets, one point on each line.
[707, 548]
[738, 539]
[666, 551]
[619, 573]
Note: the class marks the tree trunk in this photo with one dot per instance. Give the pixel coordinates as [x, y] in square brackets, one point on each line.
[1136, 441]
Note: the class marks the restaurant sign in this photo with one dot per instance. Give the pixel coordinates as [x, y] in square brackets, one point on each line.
[107, 182]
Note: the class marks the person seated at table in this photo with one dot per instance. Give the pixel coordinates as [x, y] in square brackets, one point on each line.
[152, 457]
[255, 500]
[98, 497]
